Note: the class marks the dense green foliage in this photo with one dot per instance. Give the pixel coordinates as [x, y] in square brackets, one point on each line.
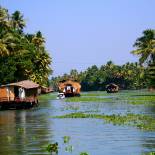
[52, 148]
[127, 76]
[84, 153]
[145, 49]
[22, 56]
[151, 75]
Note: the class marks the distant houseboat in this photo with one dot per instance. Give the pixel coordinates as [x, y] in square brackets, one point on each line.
[112, 88]
[21, 94]
[46, 90]
[69, 88]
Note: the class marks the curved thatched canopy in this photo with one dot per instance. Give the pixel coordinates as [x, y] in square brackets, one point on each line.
[112, 88]
[74, 85]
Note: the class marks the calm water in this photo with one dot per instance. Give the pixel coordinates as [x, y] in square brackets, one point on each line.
[27, 132]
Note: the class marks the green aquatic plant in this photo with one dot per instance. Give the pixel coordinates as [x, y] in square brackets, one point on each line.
[97, 93]
[9, 139]
[84, 153]
[137, 100]
[134, 97]
[49, 96]
[52, 148]
[88, 99]
[21, 130]
[66, 139]
[143, 122]
[93, 111]
[142, 98]
[69, 148]
[71, 107]
[34, 138]
[130, 97]
[149, 153]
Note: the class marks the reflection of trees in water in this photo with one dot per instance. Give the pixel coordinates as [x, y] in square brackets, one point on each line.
[150, 109]
[148, 138]
[30, 130]
[24, 131]
[149, 143]
[7, 131]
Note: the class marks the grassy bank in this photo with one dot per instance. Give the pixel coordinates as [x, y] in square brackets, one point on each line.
[49, 96]
[131, 97]
[88, 99]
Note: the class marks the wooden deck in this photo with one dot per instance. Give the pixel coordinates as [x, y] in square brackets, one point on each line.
[18, 103]
[28, 99]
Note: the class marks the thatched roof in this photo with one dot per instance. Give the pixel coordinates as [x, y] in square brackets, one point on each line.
[27, 84]
[69, 82]
[112, 85]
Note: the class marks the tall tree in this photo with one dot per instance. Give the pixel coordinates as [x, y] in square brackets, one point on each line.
[22, 56]
[146, 50]
[74, 75]
[17, 21]
[146, 47]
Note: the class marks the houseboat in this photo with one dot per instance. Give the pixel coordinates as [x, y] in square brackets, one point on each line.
[69, 88]
[112, 88]
[46, 90]
[21, 94]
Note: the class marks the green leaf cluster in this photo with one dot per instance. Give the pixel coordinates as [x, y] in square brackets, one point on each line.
[22, 55]
[145, 49]
[53, 148]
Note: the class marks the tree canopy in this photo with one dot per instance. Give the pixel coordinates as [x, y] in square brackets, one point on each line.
[145, 49]
[127, 76]
[22, 55]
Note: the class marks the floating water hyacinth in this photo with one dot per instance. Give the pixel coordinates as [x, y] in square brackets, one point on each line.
[142, 122]
[20, 130]
[66, 139]
[84, 153]
[9, 139]
[69, 148]
[53, 148]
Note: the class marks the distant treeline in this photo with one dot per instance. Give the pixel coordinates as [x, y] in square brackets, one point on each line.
[128, 76]
[22, 55]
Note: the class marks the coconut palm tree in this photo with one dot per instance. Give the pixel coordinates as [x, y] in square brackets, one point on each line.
[74, 75]
[4, 18]
[22, 56]
[3, 49]
[146, 47]
[146, 50]
[17, 20]
[38, 40]
[3, 13]
[4, 24]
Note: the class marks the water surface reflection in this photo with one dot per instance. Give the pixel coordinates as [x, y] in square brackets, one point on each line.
[27, 132]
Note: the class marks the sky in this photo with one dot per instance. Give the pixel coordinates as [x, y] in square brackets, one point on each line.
[82, 33]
